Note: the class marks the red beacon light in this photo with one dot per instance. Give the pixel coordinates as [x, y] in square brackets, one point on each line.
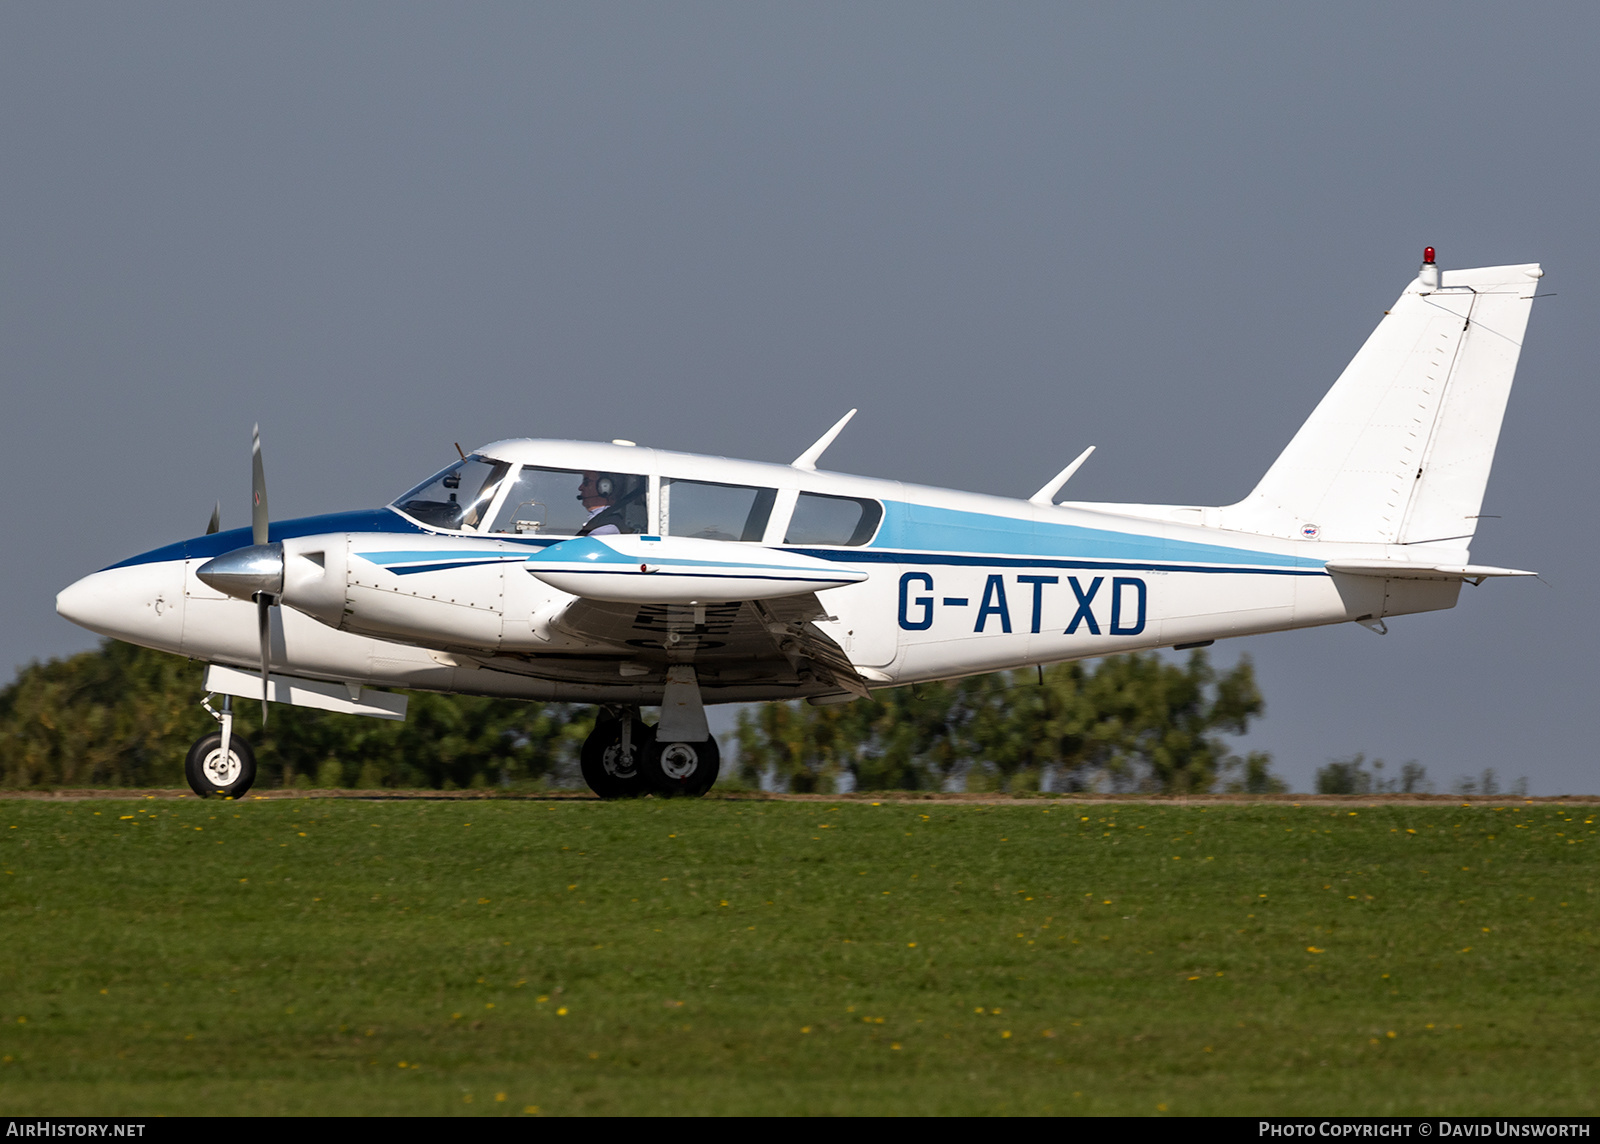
[1427, 256]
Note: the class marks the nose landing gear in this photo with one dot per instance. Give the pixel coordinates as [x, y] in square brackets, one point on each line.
[220, 763]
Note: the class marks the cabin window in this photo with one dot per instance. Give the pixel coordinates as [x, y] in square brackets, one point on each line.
[820, 519]
[570, 502]
[457, 498]
[716, 512]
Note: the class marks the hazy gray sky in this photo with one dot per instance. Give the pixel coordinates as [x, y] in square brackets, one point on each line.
[1005, 231]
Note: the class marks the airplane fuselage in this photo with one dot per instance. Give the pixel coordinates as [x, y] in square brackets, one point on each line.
[949, 584]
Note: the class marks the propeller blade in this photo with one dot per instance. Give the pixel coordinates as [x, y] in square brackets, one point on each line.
[264, 625]
[258, 490]
[216, 520]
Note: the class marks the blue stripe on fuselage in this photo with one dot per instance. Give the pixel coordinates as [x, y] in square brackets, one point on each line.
[910, 534]
[930, 532]
[215, 544]
[866, 556]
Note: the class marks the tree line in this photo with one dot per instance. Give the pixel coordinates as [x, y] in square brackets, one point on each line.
[124, 716]
[1136, 722]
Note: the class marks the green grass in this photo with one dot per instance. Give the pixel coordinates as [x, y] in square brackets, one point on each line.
[350, 957]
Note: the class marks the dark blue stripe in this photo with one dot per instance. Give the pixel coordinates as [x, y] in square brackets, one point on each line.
[205, 547]
[862, 556]
[605, 571]
[409, 569]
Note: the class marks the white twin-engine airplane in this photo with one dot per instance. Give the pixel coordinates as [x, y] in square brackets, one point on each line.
[629, 577]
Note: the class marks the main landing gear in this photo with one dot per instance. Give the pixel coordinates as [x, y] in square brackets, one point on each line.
[613, 754]
[220, 763]
[623, 758]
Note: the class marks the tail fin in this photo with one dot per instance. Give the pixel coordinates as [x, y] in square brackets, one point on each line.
[1399, 450]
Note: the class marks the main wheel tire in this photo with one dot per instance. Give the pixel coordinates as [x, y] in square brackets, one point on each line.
[209, 774]
[608, 773]
[682, 770]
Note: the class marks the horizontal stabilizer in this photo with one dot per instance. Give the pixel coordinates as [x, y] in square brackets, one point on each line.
[1407, 570]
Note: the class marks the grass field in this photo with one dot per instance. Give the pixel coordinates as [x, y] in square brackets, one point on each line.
[342, 956]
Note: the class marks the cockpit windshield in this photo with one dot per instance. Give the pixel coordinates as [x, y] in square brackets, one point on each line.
[458, 497]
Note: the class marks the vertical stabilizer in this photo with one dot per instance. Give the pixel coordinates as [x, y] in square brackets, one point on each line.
[1399, 450]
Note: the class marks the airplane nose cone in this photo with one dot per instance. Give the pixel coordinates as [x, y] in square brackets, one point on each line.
[142, 604]
[245, 571]
[84, 603]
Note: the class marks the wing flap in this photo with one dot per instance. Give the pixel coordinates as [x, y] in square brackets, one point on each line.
[734, 642]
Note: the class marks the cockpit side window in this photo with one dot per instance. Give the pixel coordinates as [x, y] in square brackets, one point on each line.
[458, 497]
[716, 512]
[821, 519]
[571, 502]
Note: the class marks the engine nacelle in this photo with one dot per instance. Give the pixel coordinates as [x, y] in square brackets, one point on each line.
[314, 575]
[437, 591]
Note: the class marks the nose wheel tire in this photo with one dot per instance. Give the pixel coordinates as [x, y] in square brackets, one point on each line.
[210, 774]
[684, 770]
[610, 769]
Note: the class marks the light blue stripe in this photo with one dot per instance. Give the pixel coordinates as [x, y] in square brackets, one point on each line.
[596, 554]
[924, 529]
[436, 556]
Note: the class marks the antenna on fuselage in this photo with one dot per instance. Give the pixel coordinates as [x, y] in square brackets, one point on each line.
[808, 459]
[1047, 495]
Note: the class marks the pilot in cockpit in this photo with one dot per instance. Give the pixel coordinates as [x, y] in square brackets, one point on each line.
[598, 493]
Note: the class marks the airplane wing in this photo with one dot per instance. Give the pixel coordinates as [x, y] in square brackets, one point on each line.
[748, 641]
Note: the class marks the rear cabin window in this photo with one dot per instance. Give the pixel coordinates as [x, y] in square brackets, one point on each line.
[821, 519]
[710, 511]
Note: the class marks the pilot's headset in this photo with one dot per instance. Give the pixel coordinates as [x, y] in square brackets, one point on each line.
[606, 485]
